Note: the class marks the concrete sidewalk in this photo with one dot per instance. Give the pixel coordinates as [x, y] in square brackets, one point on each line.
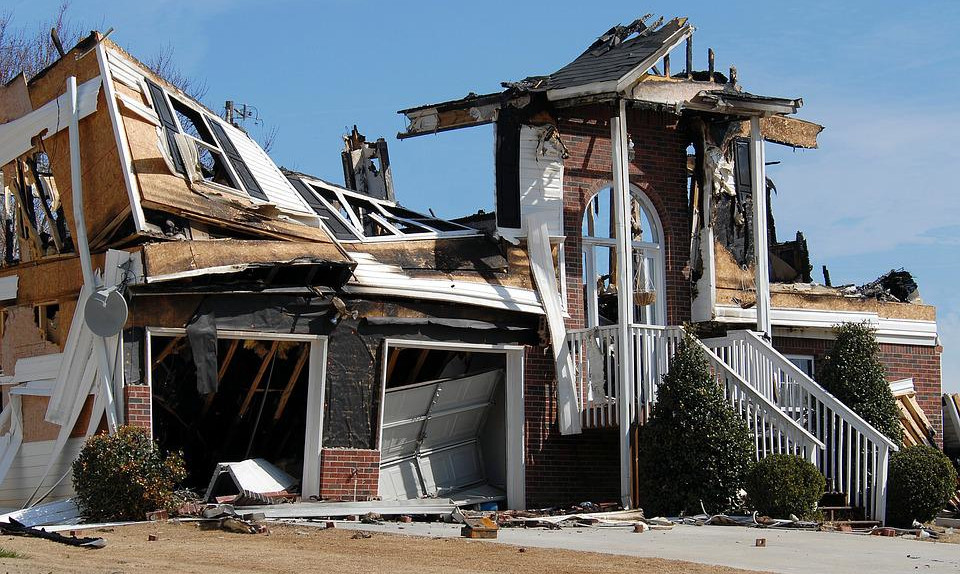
[786, 551]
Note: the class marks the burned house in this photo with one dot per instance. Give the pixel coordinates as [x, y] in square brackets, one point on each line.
[161, 270]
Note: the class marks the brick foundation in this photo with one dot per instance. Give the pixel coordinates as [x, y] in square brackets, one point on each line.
[349, 474]
[921, 363]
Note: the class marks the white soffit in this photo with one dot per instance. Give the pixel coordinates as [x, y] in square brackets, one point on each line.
[818, 324]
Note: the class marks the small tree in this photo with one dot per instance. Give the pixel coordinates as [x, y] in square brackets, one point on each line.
[922, 480]
[785, 484]
[853, 373]
[694, 452]
[124, 476]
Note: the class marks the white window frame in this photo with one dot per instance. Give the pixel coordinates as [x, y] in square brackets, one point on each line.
[238, 188]
[811, 358]
[316, 391]
[592, 315]
[382, 216]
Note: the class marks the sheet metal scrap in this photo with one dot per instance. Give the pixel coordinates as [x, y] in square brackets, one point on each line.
[17, 529]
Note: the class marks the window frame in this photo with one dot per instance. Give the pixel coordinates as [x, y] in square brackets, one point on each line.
[381, 214]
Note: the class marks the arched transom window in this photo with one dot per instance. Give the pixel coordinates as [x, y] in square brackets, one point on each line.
[600, 260]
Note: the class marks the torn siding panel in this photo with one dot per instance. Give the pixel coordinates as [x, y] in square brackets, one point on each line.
[541, 178]
[28, 467]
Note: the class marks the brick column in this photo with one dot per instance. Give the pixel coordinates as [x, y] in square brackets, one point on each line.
[349, 474]
[137, 406]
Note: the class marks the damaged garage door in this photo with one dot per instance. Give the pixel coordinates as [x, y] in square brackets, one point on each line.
[431, 439]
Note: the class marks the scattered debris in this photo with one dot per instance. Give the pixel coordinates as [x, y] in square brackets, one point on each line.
[17, 529]
[253, 481]
[480, 527]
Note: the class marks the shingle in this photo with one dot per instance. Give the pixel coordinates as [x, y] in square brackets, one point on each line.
[612, 64]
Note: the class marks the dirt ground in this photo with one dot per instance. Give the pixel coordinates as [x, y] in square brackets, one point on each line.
[183, 547]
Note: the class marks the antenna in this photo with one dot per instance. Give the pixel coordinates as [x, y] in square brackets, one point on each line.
[105, 312]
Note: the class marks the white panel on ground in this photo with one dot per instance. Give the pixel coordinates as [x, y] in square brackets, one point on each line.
[430, 435]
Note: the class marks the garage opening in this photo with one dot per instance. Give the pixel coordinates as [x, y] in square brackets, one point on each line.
[258, 409]
[444, 426]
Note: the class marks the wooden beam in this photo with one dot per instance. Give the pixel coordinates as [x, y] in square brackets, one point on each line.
[288, 390]
[392, 362]
[223, 371]
[256, 380]
[171, 347]
[412, 376]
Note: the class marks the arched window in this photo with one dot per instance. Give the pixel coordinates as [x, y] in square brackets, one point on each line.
[600, 260]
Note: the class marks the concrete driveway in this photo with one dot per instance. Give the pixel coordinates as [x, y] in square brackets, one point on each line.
[786, 551]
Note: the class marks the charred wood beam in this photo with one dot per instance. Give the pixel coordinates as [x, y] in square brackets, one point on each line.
[208, 402]
[171, 347]
[294, 377]
[255, 386]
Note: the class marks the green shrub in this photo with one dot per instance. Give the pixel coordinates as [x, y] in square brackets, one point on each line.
[784, 484]
[921, 481]
[124, 476]
[694, 448]
[853, 373]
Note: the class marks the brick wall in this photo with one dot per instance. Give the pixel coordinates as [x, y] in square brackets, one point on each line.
[137, 401]
[349, 474]
[562, 469]
[921, 363]
[659, 169]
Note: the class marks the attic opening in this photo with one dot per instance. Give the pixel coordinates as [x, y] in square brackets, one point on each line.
[447, 420]
[258, 410]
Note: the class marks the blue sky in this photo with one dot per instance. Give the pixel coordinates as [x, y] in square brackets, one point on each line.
[882, 76]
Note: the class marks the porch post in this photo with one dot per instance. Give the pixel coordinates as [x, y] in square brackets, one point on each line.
[758, 181]
[621, 191]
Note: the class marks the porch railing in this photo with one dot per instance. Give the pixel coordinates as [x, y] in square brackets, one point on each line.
[855, 454]
[595, 357]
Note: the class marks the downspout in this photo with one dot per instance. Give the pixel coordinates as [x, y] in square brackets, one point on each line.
[83, 249]
[758, 182]
[621, 191]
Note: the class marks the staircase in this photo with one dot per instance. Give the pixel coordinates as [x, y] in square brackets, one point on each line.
[786, 411]
[855, 455]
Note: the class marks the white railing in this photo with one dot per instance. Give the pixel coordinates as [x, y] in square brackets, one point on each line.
[594, 353]
[855, 454]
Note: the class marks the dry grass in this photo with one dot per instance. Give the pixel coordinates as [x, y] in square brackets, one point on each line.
[185, 548]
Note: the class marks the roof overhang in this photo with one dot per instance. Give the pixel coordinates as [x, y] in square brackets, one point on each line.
[743, 104]
[620, 85]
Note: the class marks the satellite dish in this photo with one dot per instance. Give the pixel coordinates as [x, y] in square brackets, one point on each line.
[105, 312]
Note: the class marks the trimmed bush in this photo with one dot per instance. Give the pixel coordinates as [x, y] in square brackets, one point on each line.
[124, 476]
[694, 448]
[922, 480]
[784, 484]
[853, 373]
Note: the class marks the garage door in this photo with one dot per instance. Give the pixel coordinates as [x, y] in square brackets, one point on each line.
[430, 436]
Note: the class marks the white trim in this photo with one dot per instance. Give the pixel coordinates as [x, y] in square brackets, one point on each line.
[513, 392]
[8, 287]
[633, 75]
[316, 390]
[902, 387]
[818, 324]
[120, 135]
[758, 184]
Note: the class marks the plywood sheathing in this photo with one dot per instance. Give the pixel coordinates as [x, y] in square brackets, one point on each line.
[180, 256]
[14, 100]
[22, 338]
[793, 132]
[735, 286]
[35, 428]
[49, 279]
[107, 203]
